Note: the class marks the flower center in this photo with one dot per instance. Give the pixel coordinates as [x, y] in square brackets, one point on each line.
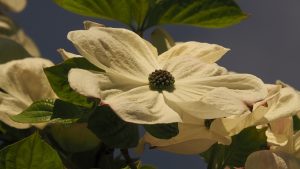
[161, 80]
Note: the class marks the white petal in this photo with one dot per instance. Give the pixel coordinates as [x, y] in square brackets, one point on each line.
[208, 53]
[296, 141]
[143, 106]
[14, 5]
[285, 103]
[265, 160]
[192, 139]
[185, 69]
[25, 79]
[11, 106]
[219, 102]
[280, 103]
[99, 84]
[90, 24]
[67, 55]
[280, 131]
[118, 49]
[27, 43]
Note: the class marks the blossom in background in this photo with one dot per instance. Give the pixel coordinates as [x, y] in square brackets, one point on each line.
[187, 86]
[282, 101]
[191, 139]
[284, 150]
[14, 5]
[22, 82]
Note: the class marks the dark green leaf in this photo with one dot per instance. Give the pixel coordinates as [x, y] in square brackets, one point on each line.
[163, 131]
[74, 137]
[204, 13]
[30, 153]
[296, 123]
[112, 130]
[11, 50]
[58, 78]
[235, 154]
[162, 40]
[68, 111]
[9, 135]
[142, 14]
[37, 112]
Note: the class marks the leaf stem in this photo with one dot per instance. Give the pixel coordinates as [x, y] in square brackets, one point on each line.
[129, 161]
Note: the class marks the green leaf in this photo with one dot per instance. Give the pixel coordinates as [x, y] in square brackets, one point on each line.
[70, 112]
[142, 14]
[30, 153]
[58, 78]
[9, 135]
[296, 123]
[74, 137]
[111, 129]
[37, 112]
[204, 13]
[163, 131]
[11, 50]
[162, 40]
[234, 155]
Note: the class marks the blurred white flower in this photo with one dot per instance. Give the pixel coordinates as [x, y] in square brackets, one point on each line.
[22, 82]
[284, 150]
[14, 5]
[187, 85]
[282, 101]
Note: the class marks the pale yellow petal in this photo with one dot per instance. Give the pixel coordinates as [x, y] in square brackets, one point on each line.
[67, 55]
[120, 50]
[14, 5]
[265, 160]
[280, 131]
[208, 53]
[25, 79]
[217, 103]
[192, 139]
[143, 106]
[27, 43]
[89, 24]
[11, 106]
[99, 84]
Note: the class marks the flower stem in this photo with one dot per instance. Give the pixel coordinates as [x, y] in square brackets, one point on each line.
[129, 161]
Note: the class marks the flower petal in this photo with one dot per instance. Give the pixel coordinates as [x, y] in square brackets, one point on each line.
[14, 5]
[67, 55]
[186, 69]
[118, 49]
[265, 160]
[11, 106]
[143, 106]
[280, 131]
[208, 53]
[192, 139]
[281, 102]
[25, 79]
[99, 84]
[219, 102]
[285, 103]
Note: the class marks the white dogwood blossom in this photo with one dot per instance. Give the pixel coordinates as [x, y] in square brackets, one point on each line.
[141, 87]
[22, 82]
[284, 150]
[282, 101]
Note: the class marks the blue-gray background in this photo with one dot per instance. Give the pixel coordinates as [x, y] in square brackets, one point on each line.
[267, 45]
